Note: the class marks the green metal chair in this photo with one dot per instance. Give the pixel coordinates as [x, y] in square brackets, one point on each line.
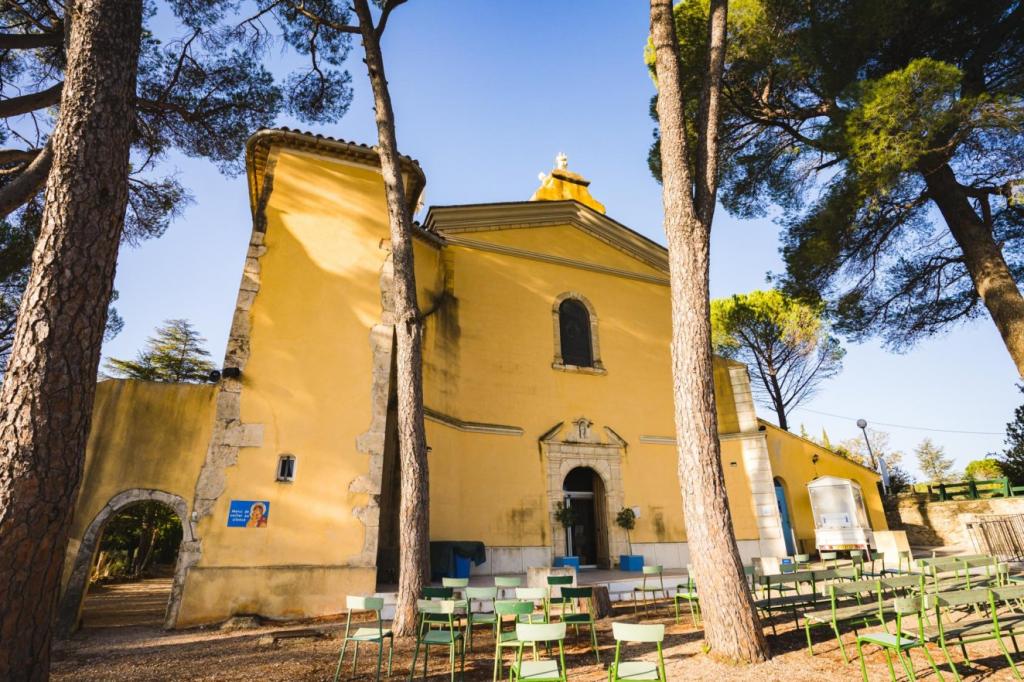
[580, 603]
[367, 634]
[688, 592]
[535, 595]
[432, 593]
[644, 589]
[504, 583]
[627, 671]
[474, 598]
[903, 557]
[1010, 623]
[899, 641]
[448, 636]
[557, 582]
[876, 562]
[958, 623]
[829, 559]
[458, 585]
[503, 639]
[545, 669]
[856, 603]
[802, 562]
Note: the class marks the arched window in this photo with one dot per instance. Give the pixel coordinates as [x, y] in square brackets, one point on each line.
[576, 346]
[574, 333]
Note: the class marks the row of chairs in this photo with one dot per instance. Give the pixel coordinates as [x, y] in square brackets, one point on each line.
[940, 593]
[450, 614]
[434, 631]
[948, 619]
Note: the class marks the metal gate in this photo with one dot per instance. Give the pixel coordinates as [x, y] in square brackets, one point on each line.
[1001, 535]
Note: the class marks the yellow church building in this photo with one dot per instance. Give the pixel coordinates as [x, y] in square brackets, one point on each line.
[546, 378]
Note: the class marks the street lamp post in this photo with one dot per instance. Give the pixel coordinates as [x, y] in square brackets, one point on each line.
[883, 470]
[863, 425]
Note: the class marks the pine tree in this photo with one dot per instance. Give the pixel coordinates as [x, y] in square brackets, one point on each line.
[1012, 460]
[176, 354]
[732, 628]
[47, 394]
[933, 463]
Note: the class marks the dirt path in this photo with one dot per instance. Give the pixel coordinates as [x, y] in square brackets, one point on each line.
[142, 602]
[148, 653]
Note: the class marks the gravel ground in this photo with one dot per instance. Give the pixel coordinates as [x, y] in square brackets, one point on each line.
[139, 652]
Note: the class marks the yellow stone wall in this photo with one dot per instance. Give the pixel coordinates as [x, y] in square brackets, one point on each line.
[792, 462]
[308, 383]
[146, 436]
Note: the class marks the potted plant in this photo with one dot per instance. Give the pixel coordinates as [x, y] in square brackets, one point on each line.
[567, 517]
[626, 520]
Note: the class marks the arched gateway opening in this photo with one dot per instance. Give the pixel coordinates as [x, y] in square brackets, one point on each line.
[129, 569]
[131, 575]
[587, 537]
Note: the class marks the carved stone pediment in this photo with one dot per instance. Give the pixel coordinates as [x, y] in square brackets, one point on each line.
[581, 430]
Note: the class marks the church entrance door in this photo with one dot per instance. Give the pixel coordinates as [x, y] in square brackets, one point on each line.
[584, 495]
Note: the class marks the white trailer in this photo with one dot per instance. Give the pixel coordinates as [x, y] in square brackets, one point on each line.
[840, 518]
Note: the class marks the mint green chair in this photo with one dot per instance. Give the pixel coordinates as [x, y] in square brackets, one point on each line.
[688, 592]
[627, 671]
[545, 669]
[433, 593]
[428, 636]
[536, 596]
[899, 642]
[802, 562]
[368, 635]
[583, 598]
[903, 558]
[653, 590]
[506, 639]
[458, 585]
[504, 583]
[829, 559]
[475, 596]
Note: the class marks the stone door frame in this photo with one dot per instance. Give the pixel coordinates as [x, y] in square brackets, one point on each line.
[188, 554]
[581, 448]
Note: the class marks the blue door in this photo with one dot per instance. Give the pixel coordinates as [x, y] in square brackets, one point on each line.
[787, 528]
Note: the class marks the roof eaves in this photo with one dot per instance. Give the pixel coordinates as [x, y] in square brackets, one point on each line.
[492, 216]
[260, 143]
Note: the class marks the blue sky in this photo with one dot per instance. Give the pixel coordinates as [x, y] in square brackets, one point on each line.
[486, 94]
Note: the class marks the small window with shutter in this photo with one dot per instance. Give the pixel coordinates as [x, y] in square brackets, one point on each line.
[286, 468]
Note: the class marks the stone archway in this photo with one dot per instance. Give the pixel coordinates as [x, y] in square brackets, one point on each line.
[188, 555]
[581, 447]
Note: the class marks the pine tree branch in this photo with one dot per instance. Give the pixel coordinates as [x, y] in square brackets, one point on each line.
[17, 155]
[300, 7]
[26, 185]
[31, 102]
[28, 41]
[385, 13]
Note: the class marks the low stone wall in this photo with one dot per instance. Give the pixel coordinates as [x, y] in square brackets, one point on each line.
[944, 523]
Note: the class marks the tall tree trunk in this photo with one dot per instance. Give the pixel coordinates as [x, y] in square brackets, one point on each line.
[731, 626]
[780, 405]
[414, 509]
[983, 258]
[47, 395]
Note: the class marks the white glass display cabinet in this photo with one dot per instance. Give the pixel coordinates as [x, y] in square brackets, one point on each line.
[840, 518]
